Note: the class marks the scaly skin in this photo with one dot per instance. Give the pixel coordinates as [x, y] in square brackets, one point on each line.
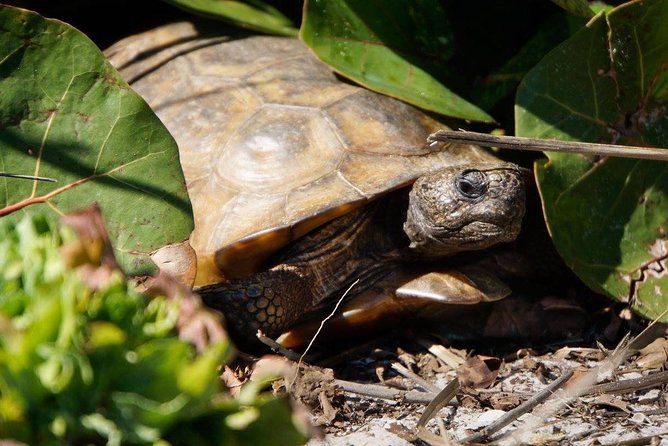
[357, 245]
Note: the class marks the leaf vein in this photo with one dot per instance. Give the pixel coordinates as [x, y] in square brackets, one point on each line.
[107, 136]
[571, 110]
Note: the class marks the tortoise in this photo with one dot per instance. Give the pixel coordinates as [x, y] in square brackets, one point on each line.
[302, 183]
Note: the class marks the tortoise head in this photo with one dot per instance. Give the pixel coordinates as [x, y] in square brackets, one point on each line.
[464, 208]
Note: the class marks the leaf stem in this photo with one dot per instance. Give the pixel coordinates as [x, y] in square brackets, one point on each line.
[44, 198]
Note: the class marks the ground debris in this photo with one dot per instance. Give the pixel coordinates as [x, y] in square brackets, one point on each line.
[627, 404]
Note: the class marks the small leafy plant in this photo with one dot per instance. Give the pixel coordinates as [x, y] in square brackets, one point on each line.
[103, 365]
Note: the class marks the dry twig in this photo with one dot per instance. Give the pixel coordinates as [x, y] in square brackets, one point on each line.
[378, 391]
[630, 385]
[417, 379]
[444, 397]
[520, 410]
[549, 145]
[278, 348]
[445, 355]
[640, 441]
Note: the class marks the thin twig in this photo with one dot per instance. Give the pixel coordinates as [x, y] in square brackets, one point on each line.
[444, 397]
[630, 385]
[27, 177]
[322, 323]
[549, 145]
[640, 441]
[417, 379]
[378, 391]
[278, 348]
[520, 410]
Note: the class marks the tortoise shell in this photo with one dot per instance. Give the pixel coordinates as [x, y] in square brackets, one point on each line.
[272, 142]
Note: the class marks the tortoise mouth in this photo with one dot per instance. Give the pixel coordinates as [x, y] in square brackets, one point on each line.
[472, 236]
[483, 234]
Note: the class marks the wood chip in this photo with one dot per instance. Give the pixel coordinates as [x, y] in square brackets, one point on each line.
[451, 357]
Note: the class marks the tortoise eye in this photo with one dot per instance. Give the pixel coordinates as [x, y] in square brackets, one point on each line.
[471, 184]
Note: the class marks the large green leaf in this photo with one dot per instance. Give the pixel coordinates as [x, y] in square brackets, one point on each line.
[577, 7]
[66, 114]
[608, 217]
[401, 51]
[251, 14]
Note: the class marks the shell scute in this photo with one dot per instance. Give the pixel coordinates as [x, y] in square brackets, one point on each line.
[272, 142]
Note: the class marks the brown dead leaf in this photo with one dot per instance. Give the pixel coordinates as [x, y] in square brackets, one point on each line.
[611, 402]
[406, 358]
[478, 372]
[380, 372]
[270, 367]
[579, 354]
[310, 382]
[469, 401]
[231, 381]
[578, 374]
[91, 254]
[504, 401]
[654, 355]
[95, 248]
[496, 400]
[178, 260]
[328, 411]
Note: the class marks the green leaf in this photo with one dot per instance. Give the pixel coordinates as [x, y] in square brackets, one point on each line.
[401, 51]
[199, 377]
[66, 114]
[609, 217]
[577, 7]
[252, 14]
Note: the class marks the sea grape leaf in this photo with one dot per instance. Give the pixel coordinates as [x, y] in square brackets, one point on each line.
[577, 7]
[401, 51]
[251, 14]
[608, 217]
[66, 114]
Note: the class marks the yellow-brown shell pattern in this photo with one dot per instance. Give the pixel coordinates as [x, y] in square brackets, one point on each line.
[272, 141]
